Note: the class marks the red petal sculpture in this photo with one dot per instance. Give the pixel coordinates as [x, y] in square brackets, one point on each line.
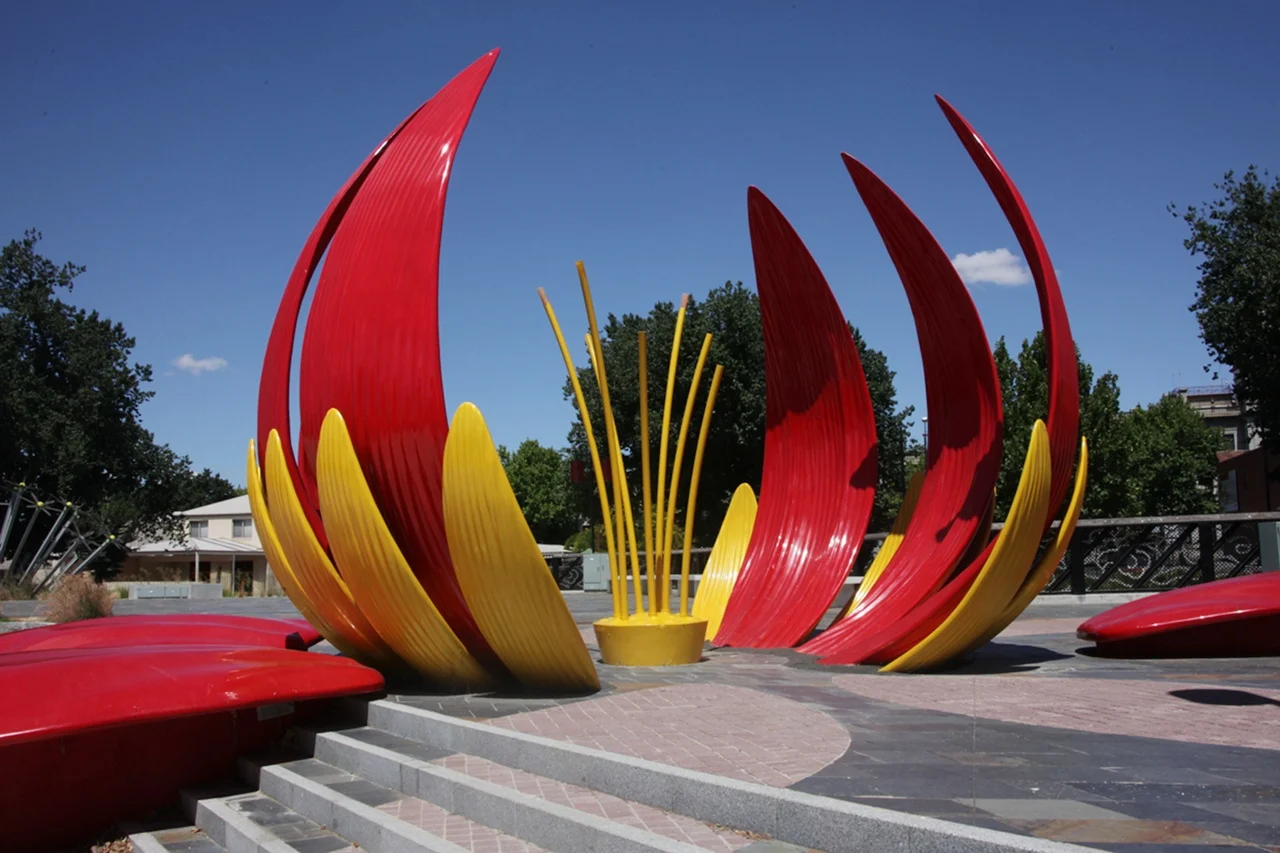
[1238, 617]
[965, 443]
[820, 447]
[185, 630]
[376, 356]
[176, 716]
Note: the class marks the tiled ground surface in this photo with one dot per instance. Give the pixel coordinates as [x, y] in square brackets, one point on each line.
[1030, 736]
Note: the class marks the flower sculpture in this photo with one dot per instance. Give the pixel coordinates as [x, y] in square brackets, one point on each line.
[397, 535]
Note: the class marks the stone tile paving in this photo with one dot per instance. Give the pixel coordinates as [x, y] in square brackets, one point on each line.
[1031, 735]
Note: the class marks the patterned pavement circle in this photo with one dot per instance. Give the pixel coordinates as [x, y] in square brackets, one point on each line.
[1188, 712]
[736, 732]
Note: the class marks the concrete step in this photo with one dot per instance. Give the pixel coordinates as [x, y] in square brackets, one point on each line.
[552, 814]
[378, 818]
[758, 811]
[187, 839]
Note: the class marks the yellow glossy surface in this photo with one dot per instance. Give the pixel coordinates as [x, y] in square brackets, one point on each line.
[721, 571]
[329, 594]
[1043, 572]
[644, 640]
[659, 570]
[617, 586]
[376, 572]
[664, 582]
[504, 579]
[891, 544]
[642, 343]
[691, 512]
[1004, 572]
[279, 563]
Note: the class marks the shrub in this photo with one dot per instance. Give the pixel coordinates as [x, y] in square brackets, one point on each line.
[79, 597]
[15, 591]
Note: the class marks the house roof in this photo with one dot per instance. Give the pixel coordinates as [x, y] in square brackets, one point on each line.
[199, 545]
[231, 506]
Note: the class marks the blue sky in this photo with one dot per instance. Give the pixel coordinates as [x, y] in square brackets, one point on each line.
[183, 152]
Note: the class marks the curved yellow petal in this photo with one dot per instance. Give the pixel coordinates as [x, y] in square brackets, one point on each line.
[504, 579]
[327, 591]
[1048, 564]
[721, 571]
[280, 563]
[1004, 572]
[890, 546]
[376, 572]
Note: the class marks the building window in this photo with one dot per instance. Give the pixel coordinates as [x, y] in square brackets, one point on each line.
[1229, 439]
[199, 530]
[242, 528]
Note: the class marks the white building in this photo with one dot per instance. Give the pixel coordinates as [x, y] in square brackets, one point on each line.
[222, 547]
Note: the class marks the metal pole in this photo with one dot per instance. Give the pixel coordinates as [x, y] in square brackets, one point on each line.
[93, 555]
[51, 540]
[22, 543]
[10, 516]
[57, 571]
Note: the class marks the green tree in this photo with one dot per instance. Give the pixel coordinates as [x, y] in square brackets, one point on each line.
[539, 477]
[1238, 295]
[69, 406]
[735, 443]
[1158, 460]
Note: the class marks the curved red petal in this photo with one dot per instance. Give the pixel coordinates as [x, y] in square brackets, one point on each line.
[820, 447]
[1064, 380]
[966, 423]
[372, 346]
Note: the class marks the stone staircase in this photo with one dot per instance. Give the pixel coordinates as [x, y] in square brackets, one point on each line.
[398, 779]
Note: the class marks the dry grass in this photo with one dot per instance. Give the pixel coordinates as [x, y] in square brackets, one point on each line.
[79, 597]
[15, 591]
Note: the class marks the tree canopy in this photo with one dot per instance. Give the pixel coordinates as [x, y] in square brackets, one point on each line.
[735, 443]
[539, 476]
[70, 397]
[1155, 460]
[1237, 300]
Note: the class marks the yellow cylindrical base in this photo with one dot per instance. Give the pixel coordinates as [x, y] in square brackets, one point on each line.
[644, 640]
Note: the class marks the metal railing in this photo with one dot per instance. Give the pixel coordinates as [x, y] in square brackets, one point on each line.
[1105, 555]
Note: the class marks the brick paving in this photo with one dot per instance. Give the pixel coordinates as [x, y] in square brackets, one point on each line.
[744, 734]
[457, 830]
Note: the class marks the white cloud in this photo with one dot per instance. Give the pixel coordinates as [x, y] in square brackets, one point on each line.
[999, 266]
[195, 366]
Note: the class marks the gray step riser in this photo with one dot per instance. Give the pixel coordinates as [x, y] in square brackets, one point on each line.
[552, 826]
[353, 820]
[808, 820]
[235, 832]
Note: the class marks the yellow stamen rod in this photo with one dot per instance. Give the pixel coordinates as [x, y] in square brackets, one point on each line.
[665, 591]
[644, 464]
[621, 494]
[619, 603]
[666, 433]
[622, 499]
[694, 476]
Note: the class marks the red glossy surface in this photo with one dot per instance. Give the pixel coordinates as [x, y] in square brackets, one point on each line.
[820, 447]
[67, 691]
[372, 348]
[91, 780]
[1235, 617]
[1063, 420]
[187, 629]
[966, 423]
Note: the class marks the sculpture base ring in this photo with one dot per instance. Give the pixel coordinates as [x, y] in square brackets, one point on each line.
[644, 640]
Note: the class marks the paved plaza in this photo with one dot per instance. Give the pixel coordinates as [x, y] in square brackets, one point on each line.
[1031, 735]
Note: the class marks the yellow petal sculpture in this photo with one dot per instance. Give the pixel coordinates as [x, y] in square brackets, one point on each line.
[376, 572]
[890, 544]
[504, 579]
[280, 563]
[1004, 572]
[721, 570]
[326, 589]
[1043, 571]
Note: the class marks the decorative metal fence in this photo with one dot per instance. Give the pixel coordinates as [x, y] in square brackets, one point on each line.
[1105, 555]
